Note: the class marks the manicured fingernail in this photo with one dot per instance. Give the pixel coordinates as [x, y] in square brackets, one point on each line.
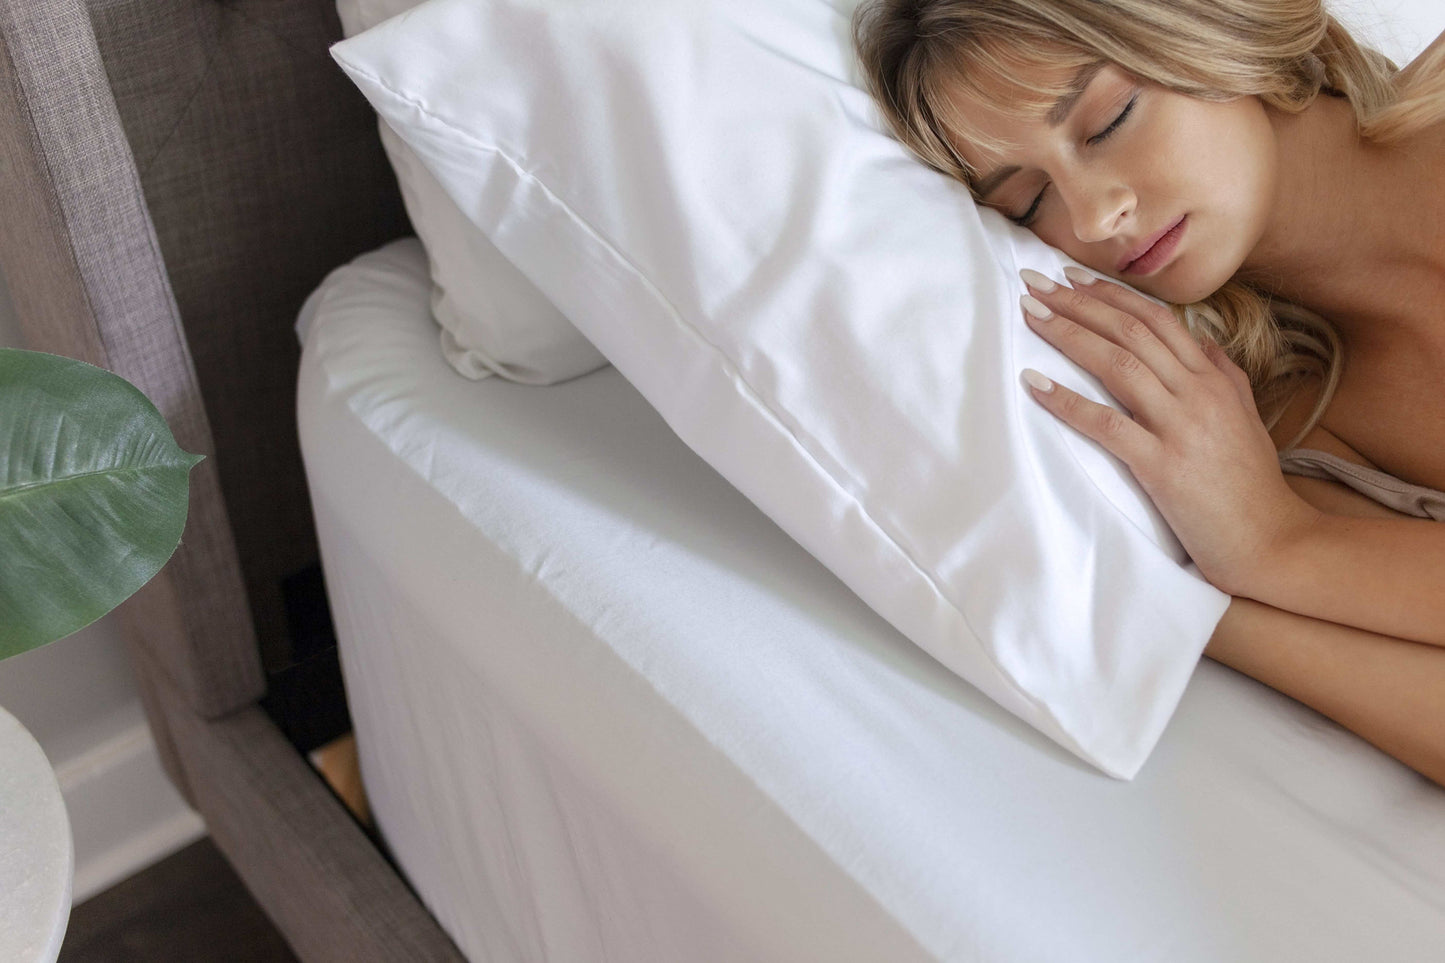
[1037, 380]
[1037, 281]
[1079, 275]
[1035, 307]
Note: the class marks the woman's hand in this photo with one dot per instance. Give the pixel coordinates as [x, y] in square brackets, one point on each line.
[1193, 438]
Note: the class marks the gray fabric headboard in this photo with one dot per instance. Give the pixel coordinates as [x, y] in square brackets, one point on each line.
[247, 169]
[175, 177]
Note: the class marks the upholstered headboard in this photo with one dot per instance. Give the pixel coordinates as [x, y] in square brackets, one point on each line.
[244, 167]
[175, 177]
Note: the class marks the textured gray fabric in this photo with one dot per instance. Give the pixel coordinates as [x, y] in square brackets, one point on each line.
[81, 263]
[308, 864]
[175, 176]
[262, 171]
[152, 682]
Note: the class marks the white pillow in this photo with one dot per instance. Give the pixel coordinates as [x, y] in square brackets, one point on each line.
[1399, 29]
[493, 320]
[701, 186]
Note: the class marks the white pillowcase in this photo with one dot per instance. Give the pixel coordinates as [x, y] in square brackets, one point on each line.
[1399, 29]
[493, 320]
[702, 187]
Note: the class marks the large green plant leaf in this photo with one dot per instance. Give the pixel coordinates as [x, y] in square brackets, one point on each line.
[93, 495]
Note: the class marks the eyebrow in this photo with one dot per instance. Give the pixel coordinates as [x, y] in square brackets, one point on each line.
[1057, 115]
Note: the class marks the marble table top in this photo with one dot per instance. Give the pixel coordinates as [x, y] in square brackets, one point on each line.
[37, 860]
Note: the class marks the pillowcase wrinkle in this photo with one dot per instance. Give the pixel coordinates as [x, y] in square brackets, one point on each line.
[830, 324]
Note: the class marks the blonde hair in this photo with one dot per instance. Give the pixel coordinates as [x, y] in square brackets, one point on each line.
[1285, 52]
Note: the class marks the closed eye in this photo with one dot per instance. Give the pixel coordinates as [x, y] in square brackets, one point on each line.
[1103, 135]
[1027, 217]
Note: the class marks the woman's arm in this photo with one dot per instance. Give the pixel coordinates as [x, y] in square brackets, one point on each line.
[1387, 691]
[1362, 604]
[1405, 603]
[1194, 440]
[1384, 575]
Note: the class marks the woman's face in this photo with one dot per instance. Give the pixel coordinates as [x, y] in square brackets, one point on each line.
[1127, 160]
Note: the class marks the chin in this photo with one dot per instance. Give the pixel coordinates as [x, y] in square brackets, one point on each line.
[1182, 289]
[1176, 293]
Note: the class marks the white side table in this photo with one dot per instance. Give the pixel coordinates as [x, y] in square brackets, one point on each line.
[37, 860]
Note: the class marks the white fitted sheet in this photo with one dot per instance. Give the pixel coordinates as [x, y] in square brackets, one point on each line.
[607, 710]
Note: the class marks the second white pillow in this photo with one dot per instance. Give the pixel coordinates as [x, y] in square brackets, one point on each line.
[493, 319]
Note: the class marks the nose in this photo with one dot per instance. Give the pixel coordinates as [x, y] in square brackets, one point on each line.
[1099, 205]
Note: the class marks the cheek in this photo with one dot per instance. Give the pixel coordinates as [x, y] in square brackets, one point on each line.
[1245, 179]
[1242, 158]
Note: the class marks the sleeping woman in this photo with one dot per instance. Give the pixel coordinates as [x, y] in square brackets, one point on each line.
[1283, 190]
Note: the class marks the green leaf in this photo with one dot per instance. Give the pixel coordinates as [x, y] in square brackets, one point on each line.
[93, 495]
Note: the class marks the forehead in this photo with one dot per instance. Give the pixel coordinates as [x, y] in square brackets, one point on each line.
[987, 97]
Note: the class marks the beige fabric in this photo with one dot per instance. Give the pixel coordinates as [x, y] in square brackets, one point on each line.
[1372, 483]
[309, 865]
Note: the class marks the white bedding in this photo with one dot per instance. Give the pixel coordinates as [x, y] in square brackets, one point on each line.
[607, 710]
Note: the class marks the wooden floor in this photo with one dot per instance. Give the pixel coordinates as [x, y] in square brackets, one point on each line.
[188, 908]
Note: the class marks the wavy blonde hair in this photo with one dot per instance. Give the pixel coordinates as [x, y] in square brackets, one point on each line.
[1285, 52]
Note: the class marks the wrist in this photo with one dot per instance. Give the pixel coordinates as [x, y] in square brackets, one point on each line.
[1278, 568]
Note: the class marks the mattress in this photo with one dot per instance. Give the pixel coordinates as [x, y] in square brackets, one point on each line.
[606, 710]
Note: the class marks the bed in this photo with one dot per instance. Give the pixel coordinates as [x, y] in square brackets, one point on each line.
[605, 708]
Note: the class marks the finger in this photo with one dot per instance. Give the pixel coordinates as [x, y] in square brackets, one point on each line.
[1123, 374]
[1120, 435]
[1236, 375]
[1119, 326]
[1160, 319]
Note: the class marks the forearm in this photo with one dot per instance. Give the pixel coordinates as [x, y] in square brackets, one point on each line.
[1383, 575]
[1386, 690]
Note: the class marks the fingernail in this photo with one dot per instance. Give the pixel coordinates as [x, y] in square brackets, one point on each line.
[1078, 275]
[1035, 307]
[1037, 380]
[1037, 281]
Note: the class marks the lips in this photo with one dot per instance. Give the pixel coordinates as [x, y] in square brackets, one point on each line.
[1147, 246]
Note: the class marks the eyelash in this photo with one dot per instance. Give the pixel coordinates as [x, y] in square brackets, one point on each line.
[1027, 217]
